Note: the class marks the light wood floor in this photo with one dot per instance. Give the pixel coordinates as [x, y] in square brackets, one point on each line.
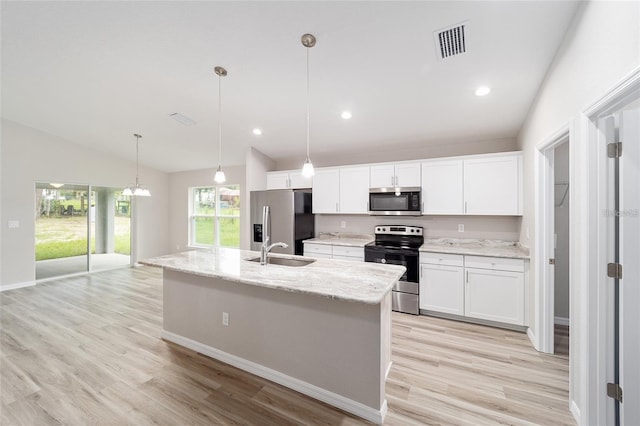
[86, 350]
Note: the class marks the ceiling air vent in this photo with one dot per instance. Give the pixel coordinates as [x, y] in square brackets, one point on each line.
[183, 119]
[451, 41]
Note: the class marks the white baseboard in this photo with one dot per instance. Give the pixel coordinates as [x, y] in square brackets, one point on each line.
[331, 398]
[561, 321]
[573, 408]
[386, 374]
[14, 286]
[532, 338]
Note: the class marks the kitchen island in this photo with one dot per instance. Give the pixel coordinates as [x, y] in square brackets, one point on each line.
[322, 329]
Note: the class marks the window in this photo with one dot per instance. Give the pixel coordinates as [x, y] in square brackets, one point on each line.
[214, 216]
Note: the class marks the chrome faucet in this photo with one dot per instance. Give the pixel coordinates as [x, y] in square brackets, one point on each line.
[266, 237]
[264, 251]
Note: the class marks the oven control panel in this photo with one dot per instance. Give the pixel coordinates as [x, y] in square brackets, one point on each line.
[398, 230]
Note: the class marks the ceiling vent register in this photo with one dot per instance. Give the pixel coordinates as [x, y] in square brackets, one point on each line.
[451, 41]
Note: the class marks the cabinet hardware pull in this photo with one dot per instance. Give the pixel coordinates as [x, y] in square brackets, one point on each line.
[467, 276]
[465, 206]
[336, 206]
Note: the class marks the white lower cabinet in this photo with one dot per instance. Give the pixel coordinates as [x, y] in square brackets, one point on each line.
[494, 295]
[486, 288]
[337, 252]
[442, 288]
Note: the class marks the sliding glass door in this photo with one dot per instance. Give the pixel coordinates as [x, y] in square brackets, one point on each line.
[79, 228]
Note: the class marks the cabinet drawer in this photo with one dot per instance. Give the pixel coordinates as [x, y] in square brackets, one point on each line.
[442, 259]
[348, 251]
[348, 258]
[311, 249]
[494, 263]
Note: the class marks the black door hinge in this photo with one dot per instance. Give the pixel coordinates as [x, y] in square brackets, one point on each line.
[614, 391]
[614, 270]
[614, 150]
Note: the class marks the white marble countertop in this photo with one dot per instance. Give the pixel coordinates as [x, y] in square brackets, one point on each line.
[493, 248]
[342, 239]
[343, 280]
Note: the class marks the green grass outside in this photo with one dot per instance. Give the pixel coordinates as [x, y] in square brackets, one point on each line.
[229, 233]
[58, 237]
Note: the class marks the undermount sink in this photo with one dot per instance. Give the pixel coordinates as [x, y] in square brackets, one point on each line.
[284, 261]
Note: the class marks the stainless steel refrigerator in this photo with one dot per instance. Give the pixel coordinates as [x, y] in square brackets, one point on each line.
[291, 218]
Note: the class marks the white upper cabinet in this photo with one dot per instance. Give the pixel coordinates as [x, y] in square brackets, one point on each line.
[492, 185]
[487, 185]
[442, 187]
[326, 191]
[403, 175]
[290, 179]
[354, 190]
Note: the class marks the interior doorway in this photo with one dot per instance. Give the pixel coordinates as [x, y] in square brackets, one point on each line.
[610, 274]
[562, 229]
[80, 228]
[553, 224]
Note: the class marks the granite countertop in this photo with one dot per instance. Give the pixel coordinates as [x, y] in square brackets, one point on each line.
[493, 248]
[342, 239]
[359, 282]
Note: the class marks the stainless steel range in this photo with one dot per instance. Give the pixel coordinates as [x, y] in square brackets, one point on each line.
[398, 245]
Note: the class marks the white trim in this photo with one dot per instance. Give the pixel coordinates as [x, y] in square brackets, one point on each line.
[14, 286]
[561, 321]
[386, 375]
[331, 398]
[573, 408]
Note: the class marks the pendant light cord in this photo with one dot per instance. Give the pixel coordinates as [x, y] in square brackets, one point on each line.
[308, 120]
[219, 121]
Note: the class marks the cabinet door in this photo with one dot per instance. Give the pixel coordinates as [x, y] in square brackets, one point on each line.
[442, 288]
[407, 174]
[277, 180]
[326, 190]
[382, 176]
[442, 187]
[354, 190]
[492, 186]
[494, 295]
[297, 181]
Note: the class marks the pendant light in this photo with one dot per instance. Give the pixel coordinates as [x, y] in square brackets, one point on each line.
[219, 176]
[308, 41]
[137, 190]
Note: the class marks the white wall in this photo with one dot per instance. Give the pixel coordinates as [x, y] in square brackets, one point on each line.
[425, 150]
[485, 227]
[257, 165]
[561, 268]
[601, 46]
[179, 184]
[29, 156]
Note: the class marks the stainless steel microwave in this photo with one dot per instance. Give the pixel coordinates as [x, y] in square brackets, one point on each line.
[395, 201]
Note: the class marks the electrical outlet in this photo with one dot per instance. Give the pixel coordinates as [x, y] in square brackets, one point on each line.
[14, 224]
[225, 318]
[461, 227]
[343, 224]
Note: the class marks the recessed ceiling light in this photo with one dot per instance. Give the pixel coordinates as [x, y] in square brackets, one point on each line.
[482, 90]
[346, 115]
[257, 131]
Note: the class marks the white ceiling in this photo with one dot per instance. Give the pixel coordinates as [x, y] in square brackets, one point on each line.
[97, 72]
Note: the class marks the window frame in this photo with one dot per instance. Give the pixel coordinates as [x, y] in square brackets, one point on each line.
[216, 216]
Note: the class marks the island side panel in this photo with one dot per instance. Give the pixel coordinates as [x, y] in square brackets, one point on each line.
[335, 345]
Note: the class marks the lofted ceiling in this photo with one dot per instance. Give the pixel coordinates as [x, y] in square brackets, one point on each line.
[96, 72]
